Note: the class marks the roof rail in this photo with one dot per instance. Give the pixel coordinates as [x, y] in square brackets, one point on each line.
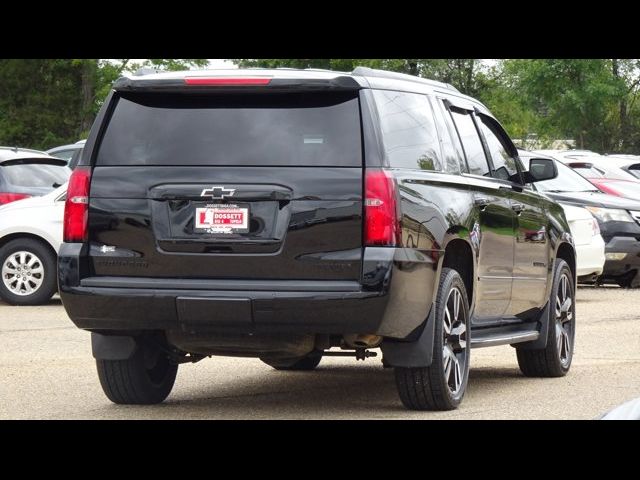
[372, 72]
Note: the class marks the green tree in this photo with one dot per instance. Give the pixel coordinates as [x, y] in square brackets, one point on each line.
[467, 75]
[49, 102]
[40, 102]
[570, 98]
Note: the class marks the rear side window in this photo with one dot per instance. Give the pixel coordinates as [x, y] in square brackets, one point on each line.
[634, 170]
[35, 175]
[320, 129]
[476, 159]
[408, 130]
[451, 149]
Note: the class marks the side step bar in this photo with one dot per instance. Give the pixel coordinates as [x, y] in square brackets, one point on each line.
[490, 337]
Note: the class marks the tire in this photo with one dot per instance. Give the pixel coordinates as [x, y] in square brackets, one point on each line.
[555, 359]
[27, 264]
[308, 362]
[629, 280]
[144, 379]
[441, 386]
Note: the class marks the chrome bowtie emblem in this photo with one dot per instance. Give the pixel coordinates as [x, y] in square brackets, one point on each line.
[218, 192]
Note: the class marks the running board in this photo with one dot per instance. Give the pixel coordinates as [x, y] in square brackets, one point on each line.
[507, 335]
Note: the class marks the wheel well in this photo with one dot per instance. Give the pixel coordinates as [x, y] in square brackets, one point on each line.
[458, 255]
[566, 253]
[13, 236]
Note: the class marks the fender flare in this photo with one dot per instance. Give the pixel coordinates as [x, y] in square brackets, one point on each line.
[418, 352]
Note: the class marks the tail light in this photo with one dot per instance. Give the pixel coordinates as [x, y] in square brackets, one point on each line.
[76, 207]
[381, 219]
[11, 197]
[595, 227]
[226, 81]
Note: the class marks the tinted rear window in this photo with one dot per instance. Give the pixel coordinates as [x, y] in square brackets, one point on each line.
[250, 129]
[35, 175]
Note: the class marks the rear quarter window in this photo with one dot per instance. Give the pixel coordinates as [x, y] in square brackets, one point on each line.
[318, 129]
[408, 130]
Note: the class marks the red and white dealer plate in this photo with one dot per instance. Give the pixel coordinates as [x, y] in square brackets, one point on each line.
[222, 219]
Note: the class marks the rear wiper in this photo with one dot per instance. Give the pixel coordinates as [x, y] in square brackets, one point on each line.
[554, 191]
[591, 191]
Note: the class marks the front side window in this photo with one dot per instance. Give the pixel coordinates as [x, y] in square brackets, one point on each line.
[476, 159]
[504, 165]
[408, 130]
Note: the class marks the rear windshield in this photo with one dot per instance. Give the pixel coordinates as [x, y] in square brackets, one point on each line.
[35, 175]
[588, 172]
[249, 129]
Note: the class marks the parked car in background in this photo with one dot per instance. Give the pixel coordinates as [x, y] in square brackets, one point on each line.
[627, 411]
[313, 210]
[606, 173]
[30, 237]
[593, 165]
[71, 153]
[614, 186]
[591, 169]
[26, 173]
[628, 163]
[618, 219]
[588, 241]
[559, 154]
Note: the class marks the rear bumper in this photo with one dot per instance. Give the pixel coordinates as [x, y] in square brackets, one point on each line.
[238, 311]
[392, 299]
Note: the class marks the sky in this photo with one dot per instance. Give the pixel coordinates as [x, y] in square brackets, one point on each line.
[214, 63]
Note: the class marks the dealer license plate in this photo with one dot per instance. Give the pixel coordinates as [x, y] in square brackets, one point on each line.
[221, 218]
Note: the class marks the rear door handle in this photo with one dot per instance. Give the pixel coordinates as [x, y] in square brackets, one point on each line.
[518, 207]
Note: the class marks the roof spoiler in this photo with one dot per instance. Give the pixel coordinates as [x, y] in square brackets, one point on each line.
[131, 84]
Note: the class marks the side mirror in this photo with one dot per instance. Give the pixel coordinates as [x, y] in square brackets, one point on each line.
[541, 169]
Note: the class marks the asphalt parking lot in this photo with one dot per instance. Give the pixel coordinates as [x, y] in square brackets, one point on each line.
[48, 373]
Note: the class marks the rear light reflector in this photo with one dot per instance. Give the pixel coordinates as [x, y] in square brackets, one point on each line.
[381, 218]
[76, 207]
[11, 197]
[226, 81]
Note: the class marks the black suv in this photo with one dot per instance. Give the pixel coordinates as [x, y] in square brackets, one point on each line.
[279, 213]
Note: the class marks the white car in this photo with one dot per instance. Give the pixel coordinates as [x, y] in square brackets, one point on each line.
[588, 241]
[30, 238]
[606, 166]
